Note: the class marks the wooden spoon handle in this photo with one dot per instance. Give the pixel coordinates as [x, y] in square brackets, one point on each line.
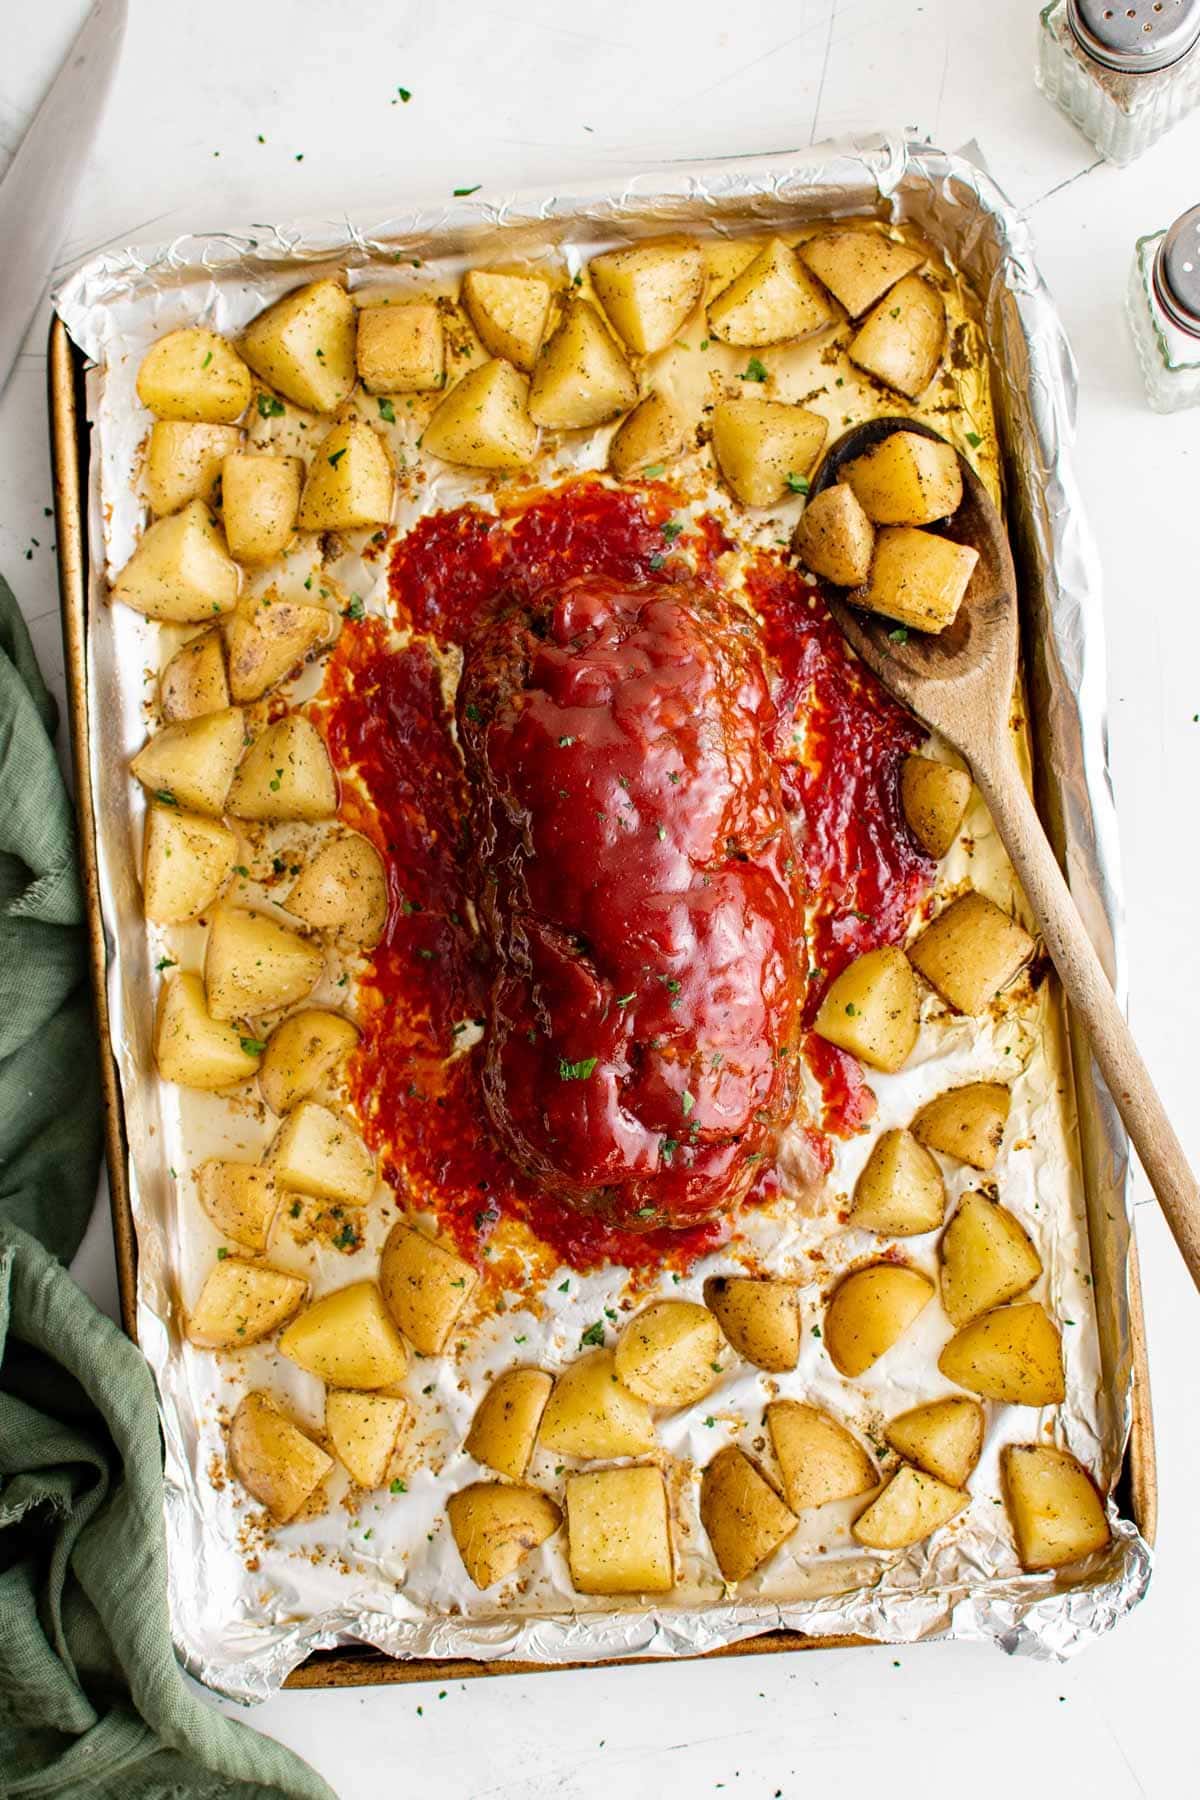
[1087, 987]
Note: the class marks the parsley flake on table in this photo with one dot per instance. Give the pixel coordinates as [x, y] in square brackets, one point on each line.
[576, 1071]
[461, 193]
[405, 94]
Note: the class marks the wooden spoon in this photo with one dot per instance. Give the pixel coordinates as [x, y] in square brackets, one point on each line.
[961, 683]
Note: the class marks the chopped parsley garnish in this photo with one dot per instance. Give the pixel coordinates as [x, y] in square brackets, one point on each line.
[336, 458]
[252, 1046]
[797, 483]
[900, 635]
[222, 1253]
[387, 411]
[851, 1010]
[576, 1071]
[206, 361]
[564, 743]
[816, 1331]
[269, 407]
[165, 796]
[623, 999]
[755, 371]
[295, 1209]
[672, 528]
[668, 1147]
[593, 1337]
[164, 962]
[473, 713]
[398, 1487]
[461, 193]
[974, 439]
[405, 94]
[657, 560]
[355, 610]
[653, 472]
[689, 1100]
[563, 1286]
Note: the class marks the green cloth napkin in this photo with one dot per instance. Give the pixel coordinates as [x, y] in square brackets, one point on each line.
[92, 1701]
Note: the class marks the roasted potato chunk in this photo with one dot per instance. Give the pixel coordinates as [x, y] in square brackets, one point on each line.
[194, 375]
[858, 267]
[285, 774]
[240, 1199]
[759, 1317]
[906, 479]
[901, 340]
[260, 498]
[316, 1152]
[1056, 1513]
[401, 349]
[241, 1303]
[619, 1532]
[649, 290]
[818, 1458]
[350, 482]
[348, 1339]
[873, 1009]
[192, 1048]
[652, 435]
[425, 1285]
[191, 764]
[591, 1413]
[580, 378]
[186, 861]
[911, 1507]
[300, 1053]
[669, 1353]
[943, 1437]
[1013, 1354]
[900, 1191]
[506, 1421]
[496, 1526]
[835, 538]
[966, 1122]
[870, 1310]
[276, 1462]
[252, 964]
[970, 951]
[183, 462]
[765, 447]
[744, 1517]
[268, 637]
[363, 1429]
[916, 578]
[934, 797]
[304, 345]
[987, 1259]
[194, 681]
[484, 422]
[181, 570]
[509, 313]
[343, 889]
[773, 300]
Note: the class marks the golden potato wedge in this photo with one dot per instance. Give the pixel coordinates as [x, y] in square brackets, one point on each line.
[496, 1526]
[835, 538]
[253, 965]
[934, 797]
[916, 578]
[506, 1421]
[765, 447]
[268, 637]
[350, 481]
[669, 1354]
[870, 1310]
[818, 1458]
[343, 889]
[649, 290]
[1054, 1508]
[316, 1152]
[484, 422]
[906, 479]
[276, 1462]
[186, 861]
[363, 1430]
[401, 348]
[987, 1259]
[194, 681]
[240, 1199]
[873, 1009]
[966, 1122]
[900, 1191]
[580, 378]
[425, 1285]
[285, 774]
[1013, 1354]
[183, 462]
[509, 313]
[301, 1051]
[193, 1049]
[194, 375]
[944, 1438]
[181, 571]
[649, 437]
[241, 1303]
[191, 764]
[911, 1507]
[347, 1339]
[857, 266]
[773, 300]
[619, 1532]
[744, 1517]
[304, 345]
[591, 1413]
[970, 951]
[759, 1316]
[260, 498]
[901, 340]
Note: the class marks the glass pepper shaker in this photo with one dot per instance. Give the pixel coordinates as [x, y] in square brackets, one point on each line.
[1164, 313]
[1124, 71]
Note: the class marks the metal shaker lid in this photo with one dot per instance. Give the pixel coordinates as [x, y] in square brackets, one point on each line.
[1177, 272]
[1135, 37]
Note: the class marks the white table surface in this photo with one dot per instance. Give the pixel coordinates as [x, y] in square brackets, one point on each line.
[531, 93]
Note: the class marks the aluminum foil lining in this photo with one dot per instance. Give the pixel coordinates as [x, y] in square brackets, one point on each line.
[230, 1631]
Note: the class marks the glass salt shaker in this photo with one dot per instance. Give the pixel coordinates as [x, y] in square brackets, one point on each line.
[1124, 71]
[1164, 313]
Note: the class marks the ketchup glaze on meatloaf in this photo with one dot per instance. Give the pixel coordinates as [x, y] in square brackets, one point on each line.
[635, 881]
